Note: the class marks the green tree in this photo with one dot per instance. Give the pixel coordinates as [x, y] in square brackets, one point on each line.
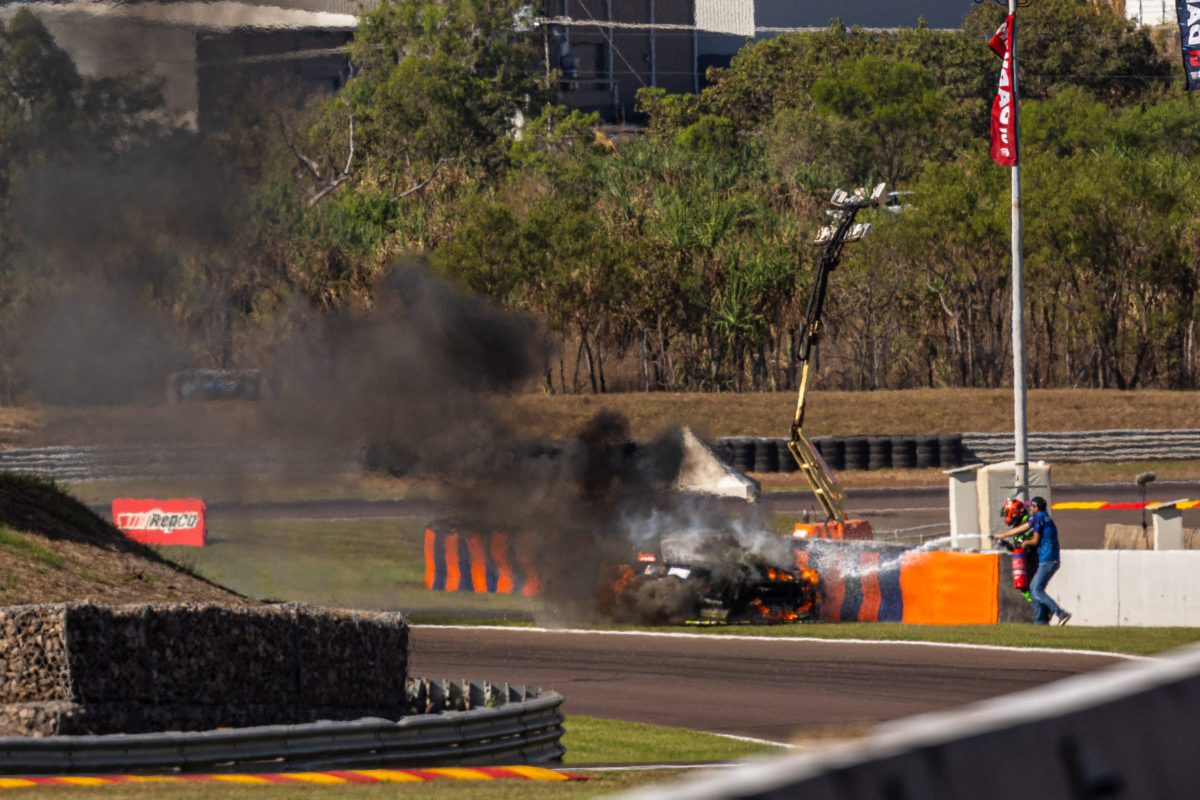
[1076, 43]
[435, 83]
[892, 119]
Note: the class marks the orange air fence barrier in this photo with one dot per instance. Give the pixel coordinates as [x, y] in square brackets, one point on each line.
[856, 529]
[867, 583]
[943, 588]
[471, 562]
[875, 584]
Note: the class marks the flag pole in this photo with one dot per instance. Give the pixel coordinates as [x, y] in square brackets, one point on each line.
[1020, 428]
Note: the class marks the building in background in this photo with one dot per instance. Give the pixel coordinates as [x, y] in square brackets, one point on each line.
[197, 48]
[608, 49]
[604, 50]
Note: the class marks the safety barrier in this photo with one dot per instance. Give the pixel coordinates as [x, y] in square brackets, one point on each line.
[470, 562]
[138, 461]
[880, 584]
[758, 454]
[1125, 731]
[464, 724]
[851, 529]
[1104, 446]
[951, 450]
[860, 582]
[1151, 588]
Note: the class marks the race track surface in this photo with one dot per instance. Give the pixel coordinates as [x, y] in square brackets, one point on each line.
[767, 688]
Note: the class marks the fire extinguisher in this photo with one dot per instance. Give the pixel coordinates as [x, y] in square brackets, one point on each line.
[1020, 575]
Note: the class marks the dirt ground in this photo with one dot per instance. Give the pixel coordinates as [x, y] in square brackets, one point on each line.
[54, 549]
[914, 411]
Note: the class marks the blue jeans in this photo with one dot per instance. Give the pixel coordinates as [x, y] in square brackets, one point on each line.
[1043, 605]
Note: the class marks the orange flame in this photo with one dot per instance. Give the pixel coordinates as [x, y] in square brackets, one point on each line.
[776, 615]
[779, 575]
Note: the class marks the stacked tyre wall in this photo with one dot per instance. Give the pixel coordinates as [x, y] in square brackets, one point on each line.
[760, 454]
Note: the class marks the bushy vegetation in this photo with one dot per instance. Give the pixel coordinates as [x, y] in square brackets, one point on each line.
[682, 254]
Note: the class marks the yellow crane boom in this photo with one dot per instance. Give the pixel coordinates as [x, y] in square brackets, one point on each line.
[844, 208]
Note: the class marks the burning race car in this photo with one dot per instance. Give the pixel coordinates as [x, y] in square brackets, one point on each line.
[718, 582]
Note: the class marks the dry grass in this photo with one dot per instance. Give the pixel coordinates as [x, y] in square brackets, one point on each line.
[845, 413]
[763, 414]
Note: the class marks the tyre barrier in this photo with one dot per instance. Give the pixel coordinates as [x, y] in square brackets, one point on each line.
[451, 723]
[904, 452]
[743, 453]
[766, 455]
[833, 451]
[787, 462]
[949, 450]
[750, 454]
[927, 452]
[857, 456]
[879, 452]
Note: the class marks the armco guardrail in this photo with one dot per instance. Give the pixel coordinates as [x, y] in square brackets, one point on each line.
[1112, 445]
[494, 724]
[141, 461]
[1123, 732]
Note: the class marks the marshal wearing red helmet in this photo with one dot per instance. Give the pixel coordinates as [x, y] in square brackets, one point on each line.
[1014, 512]
[1042, 534]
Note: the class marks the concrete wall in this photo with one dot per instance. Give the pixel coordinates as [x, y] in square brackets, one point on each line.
[1129, 587]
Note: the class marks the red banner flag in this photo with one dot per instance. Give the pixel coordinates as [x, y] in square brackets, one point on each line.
[1004, 117]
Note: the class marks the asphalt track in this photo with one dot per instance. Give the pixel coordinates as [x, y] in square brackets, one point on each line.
[887, 509]
[773, 689]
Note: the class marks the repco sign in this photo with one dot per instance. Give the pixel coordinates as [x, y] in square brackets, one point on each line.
[179, 521]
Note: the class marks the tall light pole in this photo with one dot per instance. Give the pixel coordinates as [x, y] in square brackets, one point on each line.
[1020, 428]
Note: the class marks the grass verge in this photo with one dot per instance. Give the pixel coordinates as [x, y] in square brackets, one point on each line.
[602, 741]
[1132, 641]
[20, 545]
[367, 563]
[379, 564]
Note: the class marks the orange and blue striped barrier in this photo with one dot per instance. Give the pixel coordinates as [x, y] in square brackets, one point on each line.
[859, 584]
[471, 562]
[328, 778]
[926, 588]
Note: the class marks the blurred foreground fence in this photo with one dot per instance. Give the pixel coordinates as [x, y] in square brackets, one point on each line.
[1126, 731]
[746, 453]
[457, 723]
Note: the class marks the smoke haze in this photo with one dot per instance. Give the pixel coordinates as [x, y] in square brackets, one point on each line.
[131, 261]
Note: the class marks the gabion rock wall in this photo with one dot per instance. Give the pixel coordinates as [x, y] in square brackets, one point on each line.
[78, 668]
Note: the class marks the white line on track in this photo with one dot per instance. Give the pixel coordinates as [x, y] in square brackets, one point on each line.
[751, 739]
[740, 637]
